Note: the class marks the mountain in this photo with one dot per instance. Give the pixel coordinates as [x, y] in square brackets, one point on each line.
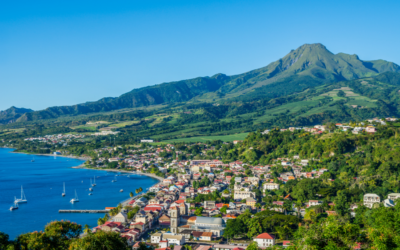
[308, 66]
[10, 115]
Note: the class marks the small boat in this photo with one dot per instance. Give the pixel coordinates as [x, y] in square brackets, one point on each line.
[23, 198]
[15, 206]
[63, 193]
[74, 199]
[90, 193]
[33, 159]
[94, 182]
[90, 189]
[115, 179]
[121, 190]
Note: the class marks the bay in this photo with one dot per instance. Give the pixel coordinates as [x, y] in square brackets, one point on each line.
[43, 180]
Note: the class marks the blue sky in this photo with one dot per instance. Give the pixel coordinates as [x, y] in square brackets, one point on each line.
[56, 53]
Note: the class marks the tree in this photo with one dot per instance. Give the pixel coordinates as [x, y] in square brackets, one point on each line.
[131, 194]
[341, 93]
[4, 242]
[56, 235]
[199, 211]
[328, 234]
[234, 227]
[87, 229]
[287, 205]
[223, 209]
[100, 240]
[254, 227]
[253, 246]
[341, 204]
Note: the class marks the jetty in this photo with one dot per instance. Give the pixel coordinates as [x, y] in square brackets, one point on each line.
[83, 211]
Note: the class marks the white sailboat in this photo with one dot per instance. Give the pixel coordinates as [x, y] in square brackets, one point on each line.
[15, 206]
[23, 198]
[94, 181]
[75, 199]
[91, 189]
[115, 179]
[63, 193]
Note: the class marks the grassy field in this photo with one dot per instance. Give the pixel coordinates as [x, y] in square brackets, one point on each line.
[227, 138]
[93, 128]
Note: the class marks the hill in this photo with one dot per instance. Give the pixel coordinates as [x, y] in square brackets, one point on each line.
[12, 114]
[306, 67]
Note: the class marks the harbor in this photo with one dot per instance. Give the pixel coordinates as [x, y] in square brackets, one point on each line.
[82, 211]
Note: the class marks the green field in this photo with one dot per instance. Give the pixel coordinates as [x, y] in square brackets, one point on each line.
[226, 138]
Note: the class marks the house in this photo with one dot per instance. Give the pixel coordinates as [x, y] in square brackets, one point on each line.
[265, 240]
[121, 217]
[370, 199]
[304, 162]
[174, 239]
[209, 204]
[285, 243]
[164, 221]
[206, 236]
[146, 141]
[270, 186]
[314, 203]
[370, 129]
[393, 196]
[251, 202]
[240, 195]
[156, 238]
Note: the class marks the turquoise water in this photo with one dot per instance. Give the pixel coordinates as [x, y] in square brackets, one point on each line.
[42, 181]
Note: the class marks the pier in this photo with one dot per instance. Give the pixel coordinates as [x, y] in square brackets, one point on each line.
[83, 211]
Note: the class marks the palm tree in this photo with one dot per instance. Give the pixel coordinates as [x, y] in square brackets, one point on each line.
[131, 194]
[100, 221]
[87, 229]
[258, 205]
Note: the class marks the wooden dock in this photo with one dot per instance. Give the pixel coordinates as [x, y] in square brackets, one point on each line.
[83, 211]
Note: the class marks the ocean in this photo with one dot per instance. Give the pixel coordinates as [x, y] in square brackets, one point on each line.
[42, 181]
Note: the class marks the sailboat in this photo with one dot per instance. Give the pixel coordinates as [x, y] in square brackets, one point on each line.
[91, 189]
[23, 198]
[75, 199]
[63, 193]
[94, 182]
[115, 179]
[33, 159]
[15, 206]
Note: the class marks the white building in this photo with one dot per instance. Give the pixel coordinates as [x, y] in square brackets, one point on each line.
[265, 240]
[393, 196]
[370, 199]
[270, 186]
[146, 140]
[121, 217]
[156, 238]
[241, 195]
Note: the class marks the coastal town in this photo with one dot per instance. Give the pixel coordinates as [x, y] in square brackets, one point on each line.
[199, 200]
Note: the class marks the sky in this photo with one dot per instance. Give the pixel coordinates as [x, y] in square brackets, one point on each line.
[55, 53]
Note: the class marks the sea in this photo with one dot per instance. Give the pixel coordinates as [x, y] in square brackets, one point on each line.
[42, 181]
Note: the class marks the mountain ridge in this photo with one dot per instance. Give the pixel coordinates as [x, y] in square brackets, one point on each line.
[307, 66]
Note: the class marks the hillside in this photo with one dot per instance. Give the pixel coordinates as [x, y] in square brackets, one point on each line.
[10, 115]
[306, 67]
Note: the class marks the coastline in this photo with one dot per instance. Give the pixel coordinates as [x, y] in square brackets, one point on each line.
[83, 166]
[126, 201]
[65, 156]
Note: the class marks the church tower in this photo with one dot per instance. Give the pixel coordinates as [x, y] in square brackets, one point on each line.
[175, 218]
[182, 208]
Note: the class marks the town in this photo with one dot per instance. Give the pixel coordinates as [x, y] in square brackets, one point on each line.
[200, 202]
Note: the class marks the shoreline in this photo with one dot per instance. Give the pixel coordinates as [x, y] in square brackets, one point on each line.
[126, 201]
[65, 156]
[83, 166]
